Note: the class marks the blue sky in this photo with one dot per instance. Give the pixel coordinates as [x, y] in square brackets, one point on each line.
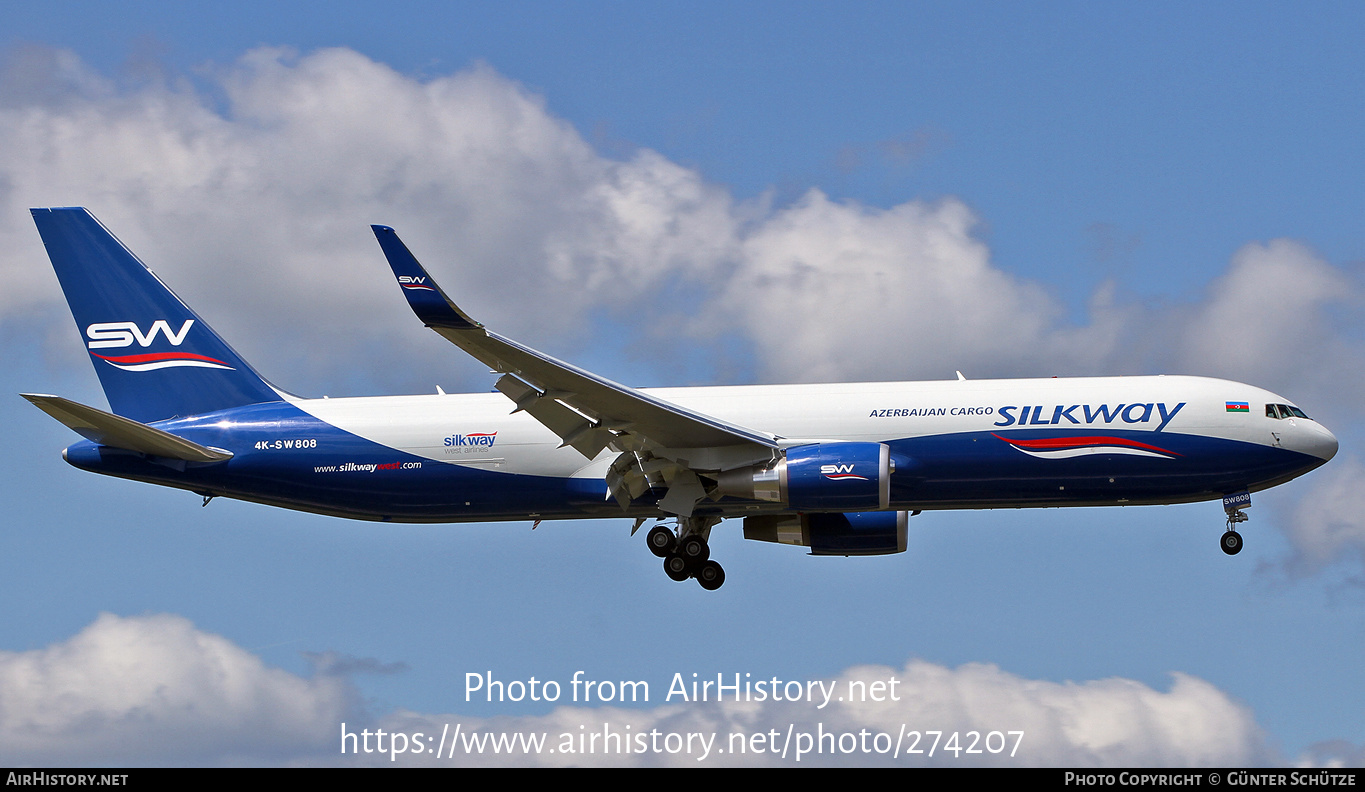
[1067, 189]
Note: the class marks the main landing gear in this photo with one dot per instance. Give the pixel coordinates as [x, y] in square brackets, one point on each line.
[686, 554]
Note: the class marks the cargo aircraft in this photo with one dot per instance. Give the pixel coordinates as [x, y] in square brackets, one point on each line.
[838, 468]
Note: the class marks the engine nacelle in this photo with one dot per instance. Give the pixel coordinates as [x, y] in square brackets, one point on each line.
[833, 477]
[854, 533]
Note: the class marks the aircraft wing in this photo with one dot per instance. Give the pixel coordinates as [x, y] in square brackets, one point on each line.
[586, 411]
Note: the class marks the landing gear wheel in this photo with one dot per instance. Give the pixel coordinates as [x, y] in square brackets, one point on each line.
[710, 575]
[661, 541]
[675, 566]
[695, 550]
[1231, 543]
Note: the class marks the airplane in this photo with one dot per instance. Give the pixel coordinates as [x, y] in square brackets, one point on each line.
[838, 468]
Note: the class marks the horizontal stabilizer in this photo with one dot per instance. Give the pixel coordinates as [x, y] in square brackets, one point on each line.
[116, 431]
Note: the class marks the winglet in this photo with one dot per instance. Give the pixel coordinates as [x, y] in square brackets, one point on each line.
[116, 431]
[425, 298]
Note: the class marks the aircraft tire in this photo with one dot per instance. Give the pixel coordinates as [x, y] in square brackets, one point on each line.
[695, 550]
[1231, 542]
[675, 566]
[710, 575]
[661, 541]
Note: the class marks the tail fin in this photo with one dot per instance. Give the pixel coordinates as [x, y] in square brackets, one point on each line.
[154, 356]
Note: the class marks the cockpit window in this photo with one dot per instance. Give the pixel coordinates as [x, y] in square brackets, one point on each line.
[1284, 411]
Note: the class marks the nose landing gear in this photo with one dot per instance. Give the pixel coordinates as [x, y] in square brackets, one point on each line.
[1231, 541]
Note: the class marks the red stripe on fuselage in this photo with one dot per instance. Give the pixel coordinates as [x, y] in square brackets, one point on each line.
[1060, 443]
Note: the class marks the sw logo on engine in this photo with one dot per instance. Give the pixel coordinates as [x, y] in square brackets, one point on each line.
[840, 473]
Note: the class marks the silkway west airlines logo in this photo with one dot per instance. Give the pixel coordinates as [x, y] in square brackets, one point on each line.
[414, 283]
[115, 335]
[485, 439]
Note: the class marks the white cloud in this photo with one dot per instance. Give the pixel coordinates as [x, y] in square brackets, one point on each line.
[258, 214]
[1102, 723]
[836, 291]
[1333, 753]
[1328, 523]
[1280, 317]
[154, 689]
[831, 291]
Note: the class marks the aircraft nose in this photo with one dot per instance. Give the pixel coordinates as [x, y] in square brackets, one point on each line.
[1320, 442]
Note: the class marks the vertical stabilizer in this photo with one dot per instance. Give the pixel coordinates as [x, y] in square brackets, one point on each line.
[154, 356]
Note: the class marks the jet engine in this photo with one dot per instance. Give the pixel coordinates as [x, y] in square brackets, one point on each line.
[823, 477]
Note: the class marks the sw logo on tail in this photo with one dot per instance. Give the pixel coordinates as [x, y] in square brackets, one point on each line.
[105, 335]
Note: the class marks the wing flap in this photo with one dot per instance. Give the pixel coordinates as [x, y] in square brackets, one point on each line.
[571, 426]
